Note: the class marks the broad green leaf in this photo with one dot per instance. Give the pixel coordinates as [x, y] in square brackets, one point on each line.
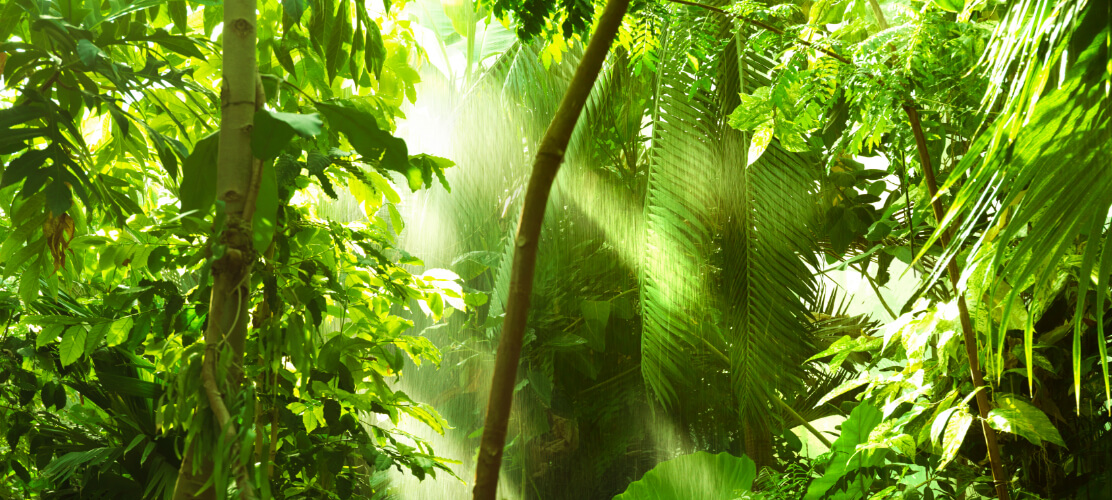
[956, 429]
[119, 331]
[198, 183]
[753, 111]
[1019, 417]
[273, 130]
[294, 9]
[339, 34]
[29, 282]
[265, 221]
[827, 12]
[371, 142]
[462, 15]
[760, 141]
[844, 455]
[179, 15]
[48, 334]
[87, 52]
[73, 344]
[175, 43]
[698, 475]
[10, 16]
[96, 334]
[427, 166]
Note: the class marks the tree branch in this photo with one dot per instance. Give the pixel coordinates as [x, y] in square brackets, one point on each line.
[549, 157]
[970, 339]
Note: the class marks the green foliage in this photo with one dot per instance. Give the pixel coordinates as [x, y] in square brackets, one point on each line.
[109, 158]
[698, 475]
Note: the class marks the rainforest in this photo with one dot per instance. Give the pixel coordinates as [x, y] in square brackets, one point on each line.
[555, 249]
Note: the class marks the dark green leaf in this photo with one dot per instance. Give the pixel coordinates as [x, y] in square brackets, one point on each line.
[198, 183]
[265, 220]
[294, 9]
[374, 54]
[273, 130]
[88, 52]
[179, 15]
[371, 142]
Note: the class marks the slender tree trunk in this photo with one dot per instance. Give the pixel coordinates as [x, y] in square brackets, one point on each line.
[969, 338]
[547, 163]
[236, 185]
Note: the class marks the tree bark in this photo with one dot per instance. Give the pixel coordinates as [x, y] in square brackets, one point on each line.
[547, 164]
[226, 330]
[968, 337]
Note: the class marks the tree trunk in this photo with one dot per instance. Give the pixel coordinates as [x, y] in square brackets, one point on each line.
[547, 163]
[237, 181]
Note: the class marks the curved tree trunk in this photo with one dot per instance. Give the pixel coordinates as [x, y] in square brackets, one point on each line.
[547, 163]
[236, 185]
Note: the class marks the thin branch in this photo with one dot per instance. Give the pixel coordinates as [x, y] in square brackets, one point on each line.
[969, 337]
[799, 418]
[548, 160]
[762, 25]
[876, 289]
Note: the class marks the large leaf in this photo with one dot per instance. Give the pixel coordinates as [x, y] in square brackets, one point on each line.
[845, 457]
[711, 287]
[698, 475]
[273, 130]
[265, 220]
[198, 183]
[1019, 417]
[374, 144]
[72, 346]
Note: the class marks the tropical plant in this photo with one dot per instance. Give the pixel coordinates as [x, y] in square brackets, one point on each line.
[144, 356]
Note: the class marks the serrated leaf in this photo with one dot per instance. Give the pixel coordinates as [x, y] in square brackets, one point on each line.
[73, 344]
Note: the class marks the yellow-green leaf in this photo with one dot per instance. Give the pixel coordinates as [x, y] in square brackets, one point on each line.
[119, 331]
[1019, 417]
[761, 138]
[73, 344]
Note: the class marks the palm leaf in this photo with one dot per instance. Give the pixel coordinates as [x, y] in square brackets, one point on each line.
[726, 247]
[1052, 179]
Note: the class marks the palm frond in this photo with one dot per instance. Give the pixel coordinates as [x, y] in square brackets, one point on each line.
[1052, 181]
[726, 247]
